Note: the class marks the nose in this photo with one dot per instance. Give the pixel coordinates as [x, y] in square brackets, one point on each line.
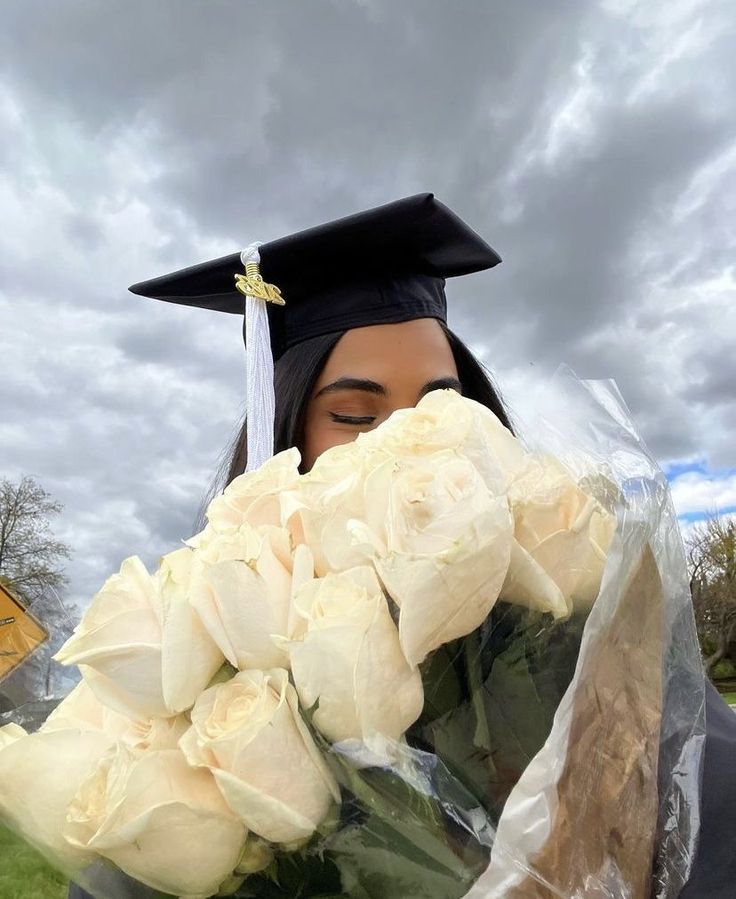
[404, 400]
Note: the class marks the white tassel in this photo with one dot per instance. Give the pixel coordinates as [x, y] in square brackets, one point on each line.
[260, 397]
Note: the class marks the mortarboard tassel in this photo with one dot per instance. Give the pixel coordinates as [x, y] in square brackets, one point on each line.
[260, 397]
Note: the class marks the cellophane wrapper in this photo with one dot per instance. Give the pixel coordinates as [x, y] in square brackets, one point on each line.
[32, 684]
[554, 758]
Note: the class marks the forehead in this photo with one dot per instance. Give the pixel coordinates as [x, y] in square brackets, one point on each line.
[417, 349]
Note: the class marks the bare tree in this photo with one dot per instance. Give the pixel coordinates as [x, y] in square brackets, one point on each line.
[31, 558]
[711, 551]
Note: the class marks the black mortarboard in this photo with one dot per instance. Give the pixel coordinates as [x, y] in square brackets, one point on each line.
[387, 264]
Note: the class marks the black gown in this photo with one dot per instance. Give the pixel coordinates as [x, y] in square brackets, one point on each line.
[714, 872]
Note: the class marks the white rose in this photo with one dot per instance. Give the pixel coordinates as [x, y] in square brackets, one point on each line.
[562, 531]
[249, 733]
[349, 659]
[335, 491]
[242, 591]
[159, 820]
[254, 497]
[440, 541]
[444, 420]
[528, 584]
[10, 733]
[131, 642]
[39, 775]
[327, 496]
[257, 855]
[82, 710]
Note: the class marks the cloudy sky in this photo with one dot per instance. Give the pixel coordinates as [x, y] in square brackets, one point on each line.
[593, 144]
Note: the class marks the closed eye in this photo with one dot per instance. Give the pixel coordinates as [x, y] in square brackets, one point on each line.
[352, 419]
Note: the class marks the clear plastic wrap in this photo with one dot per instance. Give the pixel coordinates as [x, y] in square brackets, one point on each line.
[551, 748]
[640, 625]
[32, 684]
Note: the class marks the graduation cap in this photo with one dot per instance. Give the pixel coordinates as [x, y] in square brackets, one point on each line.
[381, 266]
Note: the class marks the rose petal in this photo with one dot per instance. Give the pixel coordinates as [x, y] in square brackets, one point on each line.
[349, 662]
[39, 775]
[158, 820]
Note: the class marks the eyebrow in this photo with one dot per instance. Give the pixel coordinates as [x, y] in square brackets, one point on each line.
[374, 387]
[352, 384]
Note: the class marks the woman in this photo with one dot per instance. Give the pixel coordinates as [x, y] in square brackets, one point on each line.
[364, 333]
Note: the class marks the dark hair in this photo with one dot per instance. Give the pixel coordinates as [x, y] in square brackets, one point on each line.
[477, 381]
[296, 373]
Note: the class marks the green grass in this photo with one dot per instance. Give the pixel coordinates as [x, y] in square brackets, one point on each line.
[24, 874]
[730, 698]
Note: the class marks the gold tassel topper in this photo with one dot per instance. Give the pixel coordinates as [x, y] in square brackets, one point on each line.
[252, 284]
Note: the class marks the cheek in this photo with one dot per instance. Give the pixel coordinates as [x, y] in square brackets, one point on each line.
[319, 436]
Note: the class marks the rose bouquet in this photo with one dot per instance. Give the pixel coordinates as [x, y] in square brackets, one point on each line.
[435, 665]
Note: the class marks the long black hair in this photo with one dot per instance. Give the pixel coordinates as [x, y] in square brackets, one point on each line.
[296, 373]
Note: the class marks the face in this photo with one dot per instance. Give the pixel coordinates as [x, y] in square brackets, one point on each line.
[370, 373]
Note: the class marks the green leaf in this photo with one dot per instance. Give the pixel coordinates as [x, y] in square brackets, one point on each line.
[305, 874]
[378, 861]
[443, 680]
[506, 679]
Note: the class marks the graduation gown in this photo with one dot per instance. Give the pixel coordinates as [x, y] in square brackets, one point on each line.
[714, 872]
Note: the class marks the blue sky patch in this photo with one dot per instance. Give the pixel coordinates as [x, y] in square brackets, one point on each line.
[691, 517]
[676, 469]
